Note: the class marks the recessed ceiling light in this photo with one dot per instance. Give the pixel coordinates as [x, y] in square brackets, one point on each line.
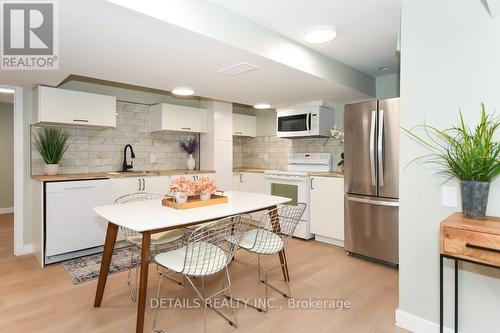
[6, 91]
[183, 91]
[383, 68]
[262, 106]
[320, 36]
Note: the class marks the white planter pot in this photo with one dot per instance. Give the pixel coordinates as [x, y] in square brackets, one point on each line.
[205, 196]
[191, 162]
[51, 169]
[181, 197]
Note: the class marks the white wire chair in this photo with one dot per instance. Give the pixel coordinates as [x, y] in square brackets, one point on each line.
[134, 238]
[271, 237]
[208, 250]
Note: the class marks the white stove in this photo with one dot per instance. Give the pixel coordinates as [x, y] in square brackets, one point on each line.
[294, 183]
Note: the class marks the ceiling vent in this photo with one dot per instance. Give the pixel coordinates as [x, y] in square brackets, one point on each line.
[238, 69]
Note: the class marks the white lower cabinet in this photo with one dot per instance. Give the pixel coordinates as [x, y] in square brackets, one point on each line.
[249, 182]
[157, 184]
[127, 185]
[327, 209]
[194, 176]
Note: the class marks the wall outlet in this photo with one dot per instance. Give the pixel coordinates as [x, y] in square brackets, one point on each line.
[449, 196]
[152, 158]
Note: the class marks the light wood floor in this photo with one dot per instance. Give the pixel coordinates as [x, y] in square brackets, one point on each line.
[45, 300]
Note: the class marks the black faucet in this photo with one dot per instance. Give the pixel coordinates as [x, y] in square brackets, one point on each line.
[127, 166]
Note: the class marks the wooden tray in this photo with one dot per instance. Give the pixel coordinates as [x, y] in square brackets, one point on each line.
[194, 202]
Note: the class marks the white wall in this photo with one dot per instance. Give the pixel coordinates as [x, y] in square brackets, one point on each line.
[27, 190]
[387, 86]
[450, 60]
[7, 157]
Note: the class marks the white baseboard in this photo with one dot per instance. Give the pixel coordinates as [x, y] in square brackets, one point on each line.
[329, 240]
[24, 250]
[416, 324]
[7, 210]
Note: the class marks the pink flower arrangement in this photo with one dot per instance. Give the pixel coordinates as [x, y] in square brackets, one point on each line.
[183, 185]
[200, 186]
[205, 185]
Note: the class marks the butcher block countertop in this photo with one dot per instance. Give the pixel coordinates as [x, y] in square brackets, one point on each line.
[252, 170]
[108, 175]
[327, 174]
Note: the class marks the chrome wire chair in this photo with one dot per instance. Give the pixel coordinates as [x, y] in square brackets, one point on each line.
[271, 237]
[134, 238]
[208, 250]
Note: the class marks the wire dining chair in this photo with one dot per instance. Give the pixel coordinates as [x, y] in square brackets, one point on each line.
[208, 250]
[134, 238]
[269, 238]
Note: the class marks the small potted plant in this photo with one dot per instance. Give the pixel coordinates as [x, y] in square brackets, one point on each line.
[341, 163]
[51, 143]
[469, 155]
[337, 133]
[182, 188]
[189, 147]
[205, 187]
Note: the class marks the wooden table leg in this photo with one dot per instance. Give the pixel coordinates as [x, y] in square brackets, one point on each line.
[143, 284]
[109, 246]
[286, 265]
[284, 268]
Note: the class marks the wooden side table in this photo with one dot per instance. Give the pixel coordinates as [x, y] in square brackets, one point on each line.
[474, 241]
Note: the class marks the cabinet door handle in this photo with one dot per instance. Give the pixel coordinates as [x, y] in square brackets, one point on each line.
[241, 178]
[139, 187]
[238, 132]
[80, 120]
[143, 184]
[186, 128]
[312, 187]
[480, 247]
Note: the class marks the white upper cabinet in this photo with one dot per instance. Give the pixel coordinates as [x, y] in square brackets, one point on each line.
[244, 125]
[74, 108]
[169, 117]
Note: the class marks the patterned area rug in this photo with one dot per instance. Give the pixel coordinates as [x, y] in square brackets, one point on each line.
[87, 268]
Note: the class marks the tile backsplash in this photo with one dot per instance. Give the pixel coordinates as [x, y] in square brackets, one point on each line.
[270, 152]
[101, 150]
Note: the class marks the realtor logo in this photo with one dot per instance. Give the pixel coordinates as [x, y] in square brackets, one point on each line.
[29, 36]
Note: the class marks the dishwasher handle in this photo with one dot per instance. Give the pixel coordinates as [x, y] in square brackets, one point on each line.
[76, 188]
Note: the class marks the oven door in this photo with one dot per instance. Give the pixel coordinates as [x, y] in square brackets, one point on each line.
[297, 189]
[290, 124]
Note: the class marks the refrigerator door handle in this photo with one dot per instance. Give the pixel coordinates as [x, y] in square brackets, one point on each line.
[374, 202]
[372, 148]
[380, 147]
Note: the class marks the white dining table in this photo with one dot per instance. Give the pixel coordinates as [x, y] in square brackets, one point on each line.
[150, 217]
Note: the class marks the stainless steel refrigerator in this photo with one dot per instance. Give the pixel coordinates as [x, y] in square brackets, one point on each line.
[371, 152]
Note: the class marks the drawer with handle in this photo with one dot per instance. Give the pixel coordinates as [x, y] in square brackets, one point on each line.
[471, 245]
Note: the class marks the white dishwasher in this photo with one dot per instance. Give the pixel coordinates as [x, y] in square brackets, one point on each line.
[72, 228]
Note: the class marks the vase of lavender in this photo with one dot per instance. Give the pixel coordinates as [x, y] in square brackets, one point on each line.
[189, 147]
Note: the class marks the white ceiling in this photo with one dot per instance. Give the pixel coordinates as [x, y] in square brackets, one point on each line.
[99, 39]
[367, 29]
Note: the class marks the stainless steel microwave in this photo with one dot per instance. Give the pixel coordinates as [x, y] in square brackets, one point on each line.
[307, 122]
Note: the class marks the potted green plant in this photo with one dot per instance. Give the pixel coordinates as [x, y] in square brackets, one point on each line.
[470, 155]
[51, 143]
